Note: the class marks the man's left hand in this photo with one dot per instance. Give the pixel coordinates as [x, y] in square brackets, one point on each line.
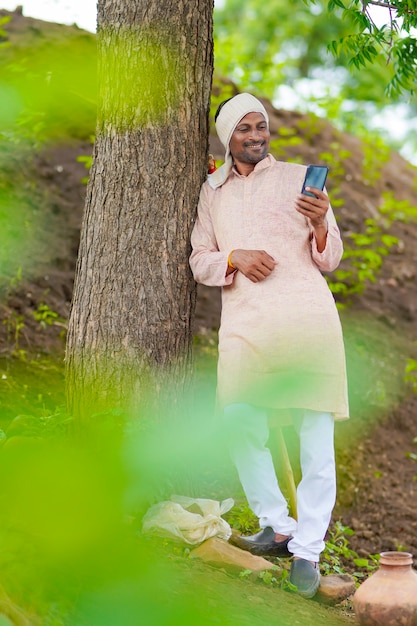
[313, 208]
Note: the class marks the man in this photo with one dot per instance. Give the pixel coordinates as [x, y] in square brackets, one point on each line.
[280, 339]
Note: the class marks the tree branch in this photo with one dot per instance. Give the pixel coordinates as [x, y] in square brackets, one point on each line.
[387, 5]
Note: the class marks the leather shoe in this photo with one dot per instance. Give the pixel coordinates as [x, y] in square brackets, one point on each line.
[305, 576]
[264, 544]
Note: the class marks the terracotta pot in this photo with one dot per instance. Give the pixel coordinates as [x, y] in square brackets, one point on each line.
[389, 596]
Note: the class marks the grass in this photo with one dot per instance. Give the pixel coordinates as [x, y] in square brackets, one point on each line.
[30, 386]
[70, 553]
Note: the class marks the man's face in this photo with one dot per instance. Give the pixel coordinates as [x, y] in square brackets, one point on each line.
[250, 140]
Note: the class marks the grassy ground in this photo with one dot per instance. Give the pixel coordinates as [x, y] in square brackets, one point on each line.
[70, 553]
[66, 558]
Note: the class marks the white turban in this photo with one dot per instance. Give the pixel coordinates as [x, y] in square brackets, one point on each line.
[229, 117]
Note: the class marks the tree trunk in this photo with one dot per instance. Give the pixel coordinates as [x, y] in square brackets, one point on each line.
[130, 324]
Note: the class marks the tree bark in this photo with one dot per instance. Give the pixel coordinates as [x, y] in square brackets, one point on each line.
[130, 324]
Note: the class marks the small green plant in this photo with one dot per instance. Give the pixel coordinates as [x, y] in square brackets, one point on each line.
[375, 155]
[365, 253]
[287, 136]
[14, 324]
[338, 554]
[393, 210]
[277, 577]
[241, 518]
[334, 157]
[15, 281]
[87, 160]
[274, 577]
[312, 125]
[3, 33]
[410, 374]
[337, 549]
[46, 317]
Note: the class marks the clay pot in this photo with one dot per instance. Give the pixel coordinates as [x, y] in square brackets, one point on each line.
[389, 596]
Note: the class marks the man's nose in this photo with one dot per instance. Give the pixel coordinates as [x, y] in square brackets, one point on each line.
[255, 134]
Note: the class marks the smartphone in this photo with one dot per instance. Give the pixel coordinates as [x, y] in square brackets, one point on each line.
[315, 177]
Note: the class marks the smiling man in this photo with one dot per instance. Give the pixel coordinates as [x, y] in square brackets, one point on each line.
[280, 339]
[249, 143]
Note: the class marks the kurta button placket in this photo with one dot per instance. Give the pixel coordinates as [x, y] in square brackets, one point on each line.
[247, 208]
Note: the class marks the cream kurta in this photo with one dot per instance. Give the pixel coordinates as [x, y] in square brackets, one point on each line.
[280, 340]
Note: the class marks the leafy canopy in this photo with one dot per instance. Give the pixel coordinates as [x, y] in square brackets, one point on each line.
[395, 38]
[261, 45]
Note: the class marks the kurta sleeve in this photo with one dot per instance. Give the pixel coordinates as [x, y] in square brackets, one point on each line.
[329, 259]
[207, 262]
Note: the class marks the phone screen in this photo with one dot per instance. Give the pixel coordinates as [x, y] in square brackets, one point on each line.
[315, 177]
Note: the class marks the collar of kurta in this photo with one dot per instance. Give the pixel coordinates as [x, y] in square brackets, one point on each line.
[261, 165]
[266, 162]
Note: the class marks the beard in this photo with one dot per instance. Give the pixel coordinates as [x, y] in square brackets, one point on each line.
[249, 156]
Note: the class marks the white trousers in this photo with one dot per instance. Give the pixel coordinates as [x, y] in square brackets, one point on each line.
[248, 433]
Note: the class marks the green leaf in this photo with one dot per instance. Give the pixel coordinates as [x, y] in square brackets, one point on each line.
[337, 3]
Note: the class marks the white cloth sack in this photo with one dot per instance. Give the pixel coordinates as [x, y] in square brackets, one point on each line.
[192, 520]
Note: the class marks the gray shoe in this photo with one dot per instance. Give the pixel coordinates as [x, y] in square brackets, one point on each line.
[264, 544]
[305, 576]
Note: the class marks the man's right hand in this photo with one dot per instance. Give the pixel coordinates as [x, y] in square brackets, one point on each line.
[254, 264]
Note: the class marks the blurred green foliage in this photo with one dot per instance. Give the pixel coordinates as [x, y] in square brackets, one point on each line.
[71, 551]
[47, 83]
[47, 94]
[263, 45]
[324, 56]
[393, 40]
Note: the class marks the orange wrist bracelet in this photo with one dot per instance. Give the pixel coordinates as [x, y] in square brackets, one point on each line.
[229, 263]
